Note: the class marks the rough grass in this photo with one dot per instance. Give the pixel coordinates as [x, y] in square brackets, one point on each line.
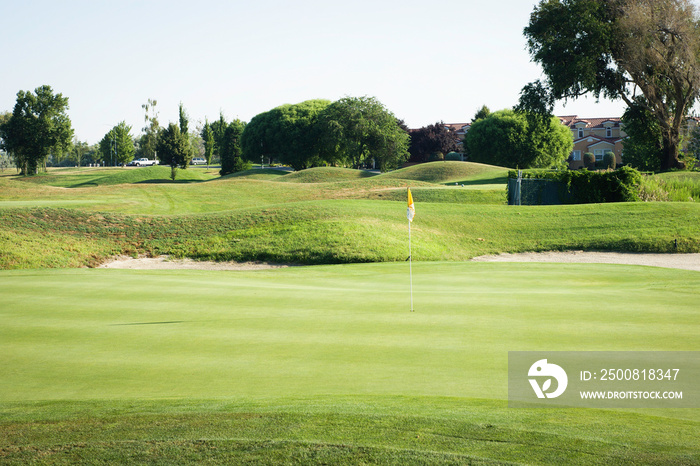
[679, 186]
[326, 365]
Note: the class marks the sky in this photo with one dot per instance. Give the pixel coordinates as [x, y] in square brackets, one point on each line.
[425, 61]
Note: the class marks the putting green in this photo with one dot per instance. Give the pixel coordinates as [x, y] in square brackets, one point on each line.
[332, 330]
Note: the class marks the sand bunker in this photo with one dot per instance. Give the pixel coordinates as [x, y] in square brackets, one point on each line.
[673, 261]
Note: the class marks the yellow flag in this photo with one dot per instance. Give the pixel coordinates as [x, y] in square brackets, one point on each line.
[411, 212]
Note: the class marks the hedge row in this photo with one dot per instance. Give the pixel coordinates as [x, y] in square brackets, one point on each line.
[589, 187]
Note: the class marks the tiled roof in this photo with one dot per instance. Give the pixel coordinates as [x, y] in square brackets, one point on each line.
[571, 120]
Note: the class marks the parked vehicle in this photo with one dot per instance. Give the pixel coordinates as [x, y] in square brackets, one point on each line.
[146, 162]
[198, 161]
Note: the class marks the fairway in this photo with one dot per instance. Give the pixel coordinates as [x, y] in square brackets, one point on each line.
[338, 344]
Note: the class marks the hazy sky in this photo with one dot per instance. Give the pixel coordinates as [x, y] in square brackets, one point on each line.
[425, 61]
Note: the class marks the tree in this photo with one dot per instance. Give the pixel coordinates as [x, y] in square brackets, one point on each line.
[643, 146]
[359, 131]
[511, 139]
[38, 125]
[231, 160]
[428, 141]
[288, 133]
[174, 149]
[117, 146]
[149, 140]
[80, 149]
[208, 138]
[219, 129]
[482, 113]
[615, 49]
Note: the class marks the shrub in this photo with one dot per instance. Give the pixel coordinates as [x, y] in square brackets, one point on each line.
[454, 157]
[609, 160]
[589, 160]
[585, 187]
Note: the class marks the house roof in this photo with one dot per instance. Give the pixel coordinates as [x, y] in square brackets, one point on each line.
[572, 120]
[597, 140]
[457, 126]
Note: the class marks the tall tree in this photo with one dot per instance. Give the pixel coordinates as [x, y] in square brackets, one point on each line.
[117, 146]
[38, 125]
[208, 138]
[149, 139]
[174, 149]
[511, 139]
[428, 141]
[360, 131]
[617, 49]
[231, 160]
[80, 149]
[643, 147]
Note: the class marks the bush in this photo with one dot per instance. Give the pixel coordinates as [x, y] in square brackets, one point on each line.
[585, 187]
[609, 160]
[589, 160]
[454, 157]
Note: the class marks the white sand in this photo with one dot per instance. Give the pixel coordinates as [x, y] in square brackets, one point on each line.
[164, 263]
[674, 261]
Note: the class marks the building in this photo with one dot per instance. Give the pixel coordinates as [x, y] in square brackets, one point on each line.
[595, 135]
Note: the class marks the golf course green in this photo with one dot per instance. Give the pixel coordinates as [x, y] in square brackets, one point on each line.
[324, 364]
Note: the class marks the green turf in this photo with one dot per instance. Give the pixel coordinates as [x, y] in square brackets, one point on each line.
[327, 364]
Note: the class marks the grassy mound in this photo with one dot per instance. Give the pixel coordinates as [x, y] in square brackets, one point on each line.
[155, 174]
[326, 175]
[327, 364]
[265, 174]
[451, 172]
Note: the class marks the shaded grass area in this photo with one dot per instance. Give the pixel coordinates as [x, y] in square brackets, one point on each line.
[341, 231]
[326, 365]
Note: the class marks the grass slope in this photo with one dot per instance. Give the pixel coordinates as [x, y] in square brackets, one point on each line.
[338, 231]
[326, 364]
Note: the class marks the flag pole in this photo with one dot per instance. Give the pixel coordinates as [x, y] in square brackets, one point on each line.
[410, 213]
[410, 263]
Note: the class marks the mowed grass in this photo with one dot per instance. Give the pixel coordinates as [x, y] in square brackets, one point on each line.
[327, 365]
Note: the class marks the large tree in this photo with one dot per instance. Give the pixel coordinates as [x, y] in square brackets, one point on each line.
[117, 146]
[430, 141]
[288, 133]
[38, 126]
[359, 131]
[619, 49]
[511, 139]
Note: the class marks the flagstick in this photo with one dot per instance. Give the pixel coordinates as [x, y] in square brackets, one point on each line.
[410, 262]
